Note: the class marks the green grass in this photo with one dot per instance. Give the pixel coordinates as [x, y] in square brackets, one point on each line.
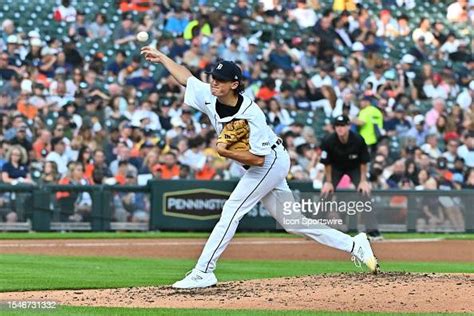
[29, 272]
[118, 235]
[72, 310]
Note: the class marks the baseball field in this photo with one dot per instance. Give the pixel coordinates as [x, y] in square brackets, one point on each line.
[259, 274]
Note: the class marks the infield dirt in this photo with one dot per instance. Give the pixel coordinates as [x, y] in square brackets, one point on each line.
[244, 249]
[387, 292]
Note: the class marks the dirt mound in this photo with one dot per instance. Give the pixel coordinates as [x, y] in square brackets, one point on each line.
[390, 292]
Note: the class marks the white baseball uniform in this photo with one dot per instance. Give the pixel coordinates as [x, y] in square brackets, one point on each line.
[266, 183]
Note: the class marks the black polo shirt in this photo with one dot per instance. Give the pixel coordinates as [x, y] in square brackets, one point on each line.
[344, 156]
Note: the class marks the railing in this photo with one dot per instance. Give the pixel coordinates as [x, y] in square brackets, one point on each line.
[196, 205]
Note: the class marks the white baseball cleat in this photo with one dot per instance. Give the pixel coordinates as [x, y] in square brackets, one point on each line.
[362, 252]
[196, 279]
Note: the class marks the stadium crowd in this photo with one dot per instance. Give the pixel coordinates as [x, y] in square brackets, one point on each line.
[74, 117]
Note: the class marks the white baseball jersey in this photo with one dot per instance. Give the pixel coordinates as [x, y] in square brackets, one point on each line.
[265, 183]
[198, 95]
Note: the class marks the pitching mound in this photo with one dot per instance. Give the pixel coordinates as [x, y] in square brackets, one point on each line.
[390, 292]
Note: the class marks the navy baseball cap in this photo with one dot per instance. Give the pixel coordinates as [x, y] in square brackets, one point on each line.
[226, 71]
[341, 120]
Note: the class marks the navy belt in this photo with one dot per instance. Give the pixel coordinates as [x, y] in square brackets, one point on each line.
[278, 142]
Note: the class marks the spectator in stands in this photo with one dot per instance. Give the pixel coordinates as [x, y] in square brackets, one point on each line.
[303, 15]
[197, 27]
[123, 169]
[403, 27]
[170, 167]
[411, 172]
[118, 64]
[16, 124]
[193, 56]
[277, 116]
[458, 170]
[194, 156]
[451, 153]
[65, 12]
[439, 32]
[12, 88]
[15, 50]
[143, 80]
[15, 170]
[242, 9]
[466, 97]
[450, 45]
[179, 47]
[326, 37]
[370, 123]
[458, 12]
[145, 24]
[386, 25]
[99, 28]
[8, 28]
[50, 174]
[58, 155]
[433, 114]
[3, 150]
[345, 105]
[424, 31]
[419, 131]
[279, 55]
[233, 53]
[84, 157]
[123, 154]
[434, 88]
[150, 161]
[397, 174]
[99, 162]
[22, 140]
[398, 125]
[81, 201]
[80, 28]
[60, 131]
[125, 33]
[431, 147]
[466, 151]
[422, 177]
[469, 182]
[131, 206]
[176, 21]
[376, 80]
[6, 71]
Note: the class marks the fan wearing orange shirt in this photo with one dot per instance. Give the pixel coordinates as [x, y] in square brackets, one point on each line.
[170, 166]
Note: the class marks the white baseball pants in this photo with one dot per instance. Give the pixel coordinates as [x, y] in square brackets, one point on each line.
[267, 184]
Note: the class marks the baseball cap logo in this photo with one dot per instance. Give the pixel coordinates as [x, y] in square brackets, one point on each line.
[226, 70]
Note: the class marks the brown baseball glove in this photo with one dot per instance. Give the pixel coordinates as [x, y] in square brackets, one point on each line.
[236, 135]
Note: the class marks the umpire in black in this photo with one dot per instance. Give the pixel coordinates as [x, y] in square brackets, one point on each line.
[346, 153]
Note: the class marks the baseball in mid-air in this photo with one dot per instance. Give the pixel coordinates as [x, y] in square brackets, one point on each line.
[142, 36]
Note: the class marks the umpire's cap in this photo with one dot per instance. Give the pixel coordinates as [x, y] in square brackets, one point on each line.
[226, 71]
[341, 120]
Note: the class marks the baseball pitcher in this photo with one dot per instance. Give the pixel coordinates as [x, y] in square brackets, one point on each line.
[245, 137]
